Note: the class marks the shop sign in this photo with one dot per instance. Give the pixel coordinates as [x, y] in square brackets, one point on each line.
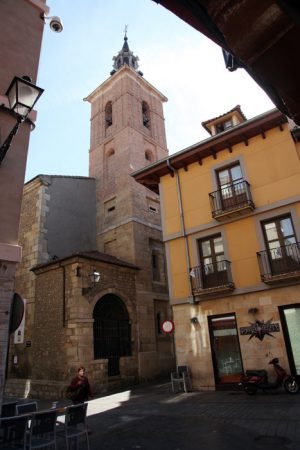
[259, 329]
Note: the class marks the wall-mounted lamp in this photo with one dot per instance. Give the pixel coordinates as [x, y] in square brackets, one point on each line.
[194, 320]
[55, 23]
[93, 278]
[22, 96]
[252, 310]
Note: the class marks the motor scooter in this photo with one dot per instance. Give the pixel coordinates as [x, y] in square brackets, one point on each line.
[258, 379]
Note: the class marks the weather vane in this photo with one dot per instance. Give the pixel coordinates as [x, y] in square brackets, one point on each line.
[125, 31]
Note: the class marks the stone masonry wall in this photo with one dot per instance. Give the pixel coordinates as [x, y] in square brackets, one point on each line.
[7, 271]
[32, 236]
[48, 345]
[63, 337]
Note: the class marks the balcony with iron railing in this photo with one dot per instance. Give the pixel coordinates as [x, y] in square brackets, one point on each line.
[280, 264]
[232, 200]
[212, 279]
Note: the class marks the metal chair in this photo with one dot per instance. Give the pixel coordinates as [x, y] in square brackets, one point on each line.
[75, 425]
[26, 408]
[42, 431]
[8, 409]
[13, 433]
[181, 378]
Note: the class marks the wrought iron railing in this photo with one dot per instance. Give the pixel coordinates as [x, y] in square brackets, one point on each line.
[234, 196]
[112, 339]
[279, 261]
[209, 276]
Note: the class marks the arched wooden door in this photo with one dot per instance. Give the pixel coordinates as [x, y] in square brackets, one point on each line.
[112, 332]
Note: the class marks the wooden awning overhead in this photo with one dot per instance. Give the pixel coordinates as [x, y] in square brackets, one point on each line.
[262, 36]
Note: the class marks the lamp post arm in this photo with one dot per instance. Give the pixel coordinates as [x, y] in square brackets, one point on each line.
[6, 144]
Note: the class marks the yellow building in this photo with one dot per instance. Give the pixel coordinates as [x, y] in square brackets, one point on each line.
[231, 224]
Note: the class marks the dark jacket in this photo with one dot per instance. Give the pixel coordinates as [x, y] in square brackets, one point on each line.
[83, 387]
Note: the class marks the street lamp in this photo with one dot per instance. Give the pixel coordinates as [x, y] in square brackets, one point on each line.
[94, 277]
[22, 96]
[91, 278]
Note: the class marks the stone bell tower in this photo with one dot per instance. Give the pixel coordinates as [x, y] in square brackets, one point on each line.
[128, 133]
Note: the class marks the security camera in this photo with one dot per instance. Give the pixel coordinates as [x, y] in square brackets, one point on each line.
[55, 24]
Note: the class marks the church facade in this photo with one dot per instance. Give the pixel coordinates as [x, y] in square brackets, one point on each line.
[93, 273]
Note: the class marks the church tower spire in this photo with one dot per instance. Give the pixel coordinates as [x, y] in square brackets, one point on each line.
[125, 56]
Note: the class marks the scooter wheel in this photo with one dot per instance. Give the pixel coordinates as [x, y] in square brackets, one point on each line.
[291, 385]
[250, 390]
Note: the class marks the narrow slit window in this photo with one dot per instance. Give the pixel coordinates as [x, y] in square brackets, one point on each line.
[108, 115]
[110, 205]
[146, 114]
[155, 267]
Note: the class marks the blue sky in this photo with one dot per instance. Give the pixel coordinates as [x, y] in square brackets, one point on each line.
[180, 62]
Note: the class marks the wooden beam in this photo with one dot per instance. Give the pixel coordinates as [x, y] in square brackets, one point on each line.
[263, 133]
[229, 147]
[171, 172]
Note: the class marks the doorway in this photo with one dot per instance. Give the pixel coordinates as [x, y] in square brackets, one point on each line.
[225, 348]
[112, 332]
[290, 319]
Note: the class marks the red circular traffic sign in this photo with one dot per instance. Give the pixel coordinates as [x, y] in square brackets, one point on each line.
[168, 326]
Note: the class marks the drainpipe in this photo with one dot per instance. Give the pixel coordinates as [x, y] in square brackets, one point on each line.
[182, 224]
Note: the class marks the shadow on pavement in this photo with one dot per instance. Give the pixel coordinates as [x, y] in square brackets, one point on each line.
[152, 417]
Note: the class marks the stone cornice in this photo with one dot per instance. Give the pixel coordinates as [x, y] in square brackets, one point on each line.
[40, 4]
[10, 252]
[125, 70]
[129, 220]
